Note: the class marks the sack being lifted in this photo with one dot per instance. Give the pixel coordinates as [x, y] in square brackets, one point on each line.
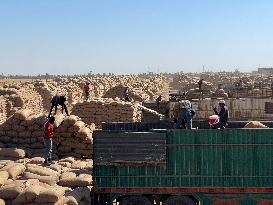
[255, 124]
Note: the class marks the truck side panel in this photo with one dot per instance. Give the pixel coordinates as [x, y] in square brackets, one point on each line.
[201, 159]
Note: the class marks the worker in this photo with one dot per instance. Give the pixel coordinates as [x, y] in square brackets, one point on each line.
[58, 100]
[185, 115]
[158, 100]
[200, 82]
[86, 89]
[126, 94]
[223, 115]
[272, 89]
[48, 135]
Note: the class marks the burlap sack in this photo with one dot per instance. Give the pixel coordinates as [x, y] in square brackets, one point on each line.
[70, 120]
[22, 114]
[78, 194]
[68, 159]
[65, 164]
[81, 181]
[4, 175]
[46, 179]
[79, 164]
[68, 175]
[8, 166]
[42, 171]
[36, 160]
[28, 195]
[22, 161]
[58, 120]
[51, 195]
[78, 126]
[11, 190]
[255, 124]
[56, 167]
[12, 152]
[16, 170]
[84, 133]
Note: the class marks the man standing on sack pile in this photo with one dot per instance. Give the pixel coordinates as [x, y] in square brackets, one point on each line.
[126, 95]
[223, 115]
[58, 100]
[185, 115]
[48, 135]
[86, 89]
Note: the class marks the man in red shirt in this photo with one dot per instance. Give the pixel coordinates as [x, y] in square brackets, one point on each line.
[48, 135]
[86, 89]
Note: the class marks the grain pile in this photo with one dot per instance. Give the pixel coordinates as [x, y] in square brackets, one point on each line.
[20, 97]
[107, 110]
[219, 94]
[3, 113]
[74, 137]
[186, 82]
[27, 181]
[134, 94]
[24, 130]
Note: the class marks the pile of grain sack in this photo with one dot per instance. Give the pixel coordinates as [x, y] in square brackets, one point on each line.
[3, 114]
[134, 94]
[24, 130]
[107, 110]
[21, 96]
[27, 181]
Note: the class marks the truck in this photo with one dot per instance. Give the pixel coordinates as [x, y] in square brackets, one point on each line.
[183, 167]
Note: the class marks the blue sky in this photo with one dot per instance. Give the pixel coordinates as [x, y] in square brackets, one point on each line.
[126, 36]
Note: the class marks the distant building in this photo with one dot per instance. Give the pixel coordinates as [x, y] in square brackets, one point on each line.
[265, 71]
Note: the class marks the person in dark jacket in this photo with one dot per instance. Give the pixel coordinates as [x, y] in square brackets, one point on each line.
[223, 115]
[185, 116]
[200, 82]
[48, 135]
[126, 94]
[58, 100]
[158, 100]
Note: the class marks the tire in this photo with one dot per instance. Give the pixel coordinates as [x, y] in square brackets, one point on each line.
[179, 200]
[135, 200]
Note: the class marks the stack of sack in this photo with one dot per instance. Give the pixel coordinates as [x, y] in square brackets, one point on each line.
[26, 181]
[24, 130]
[118, 92]
[74, 137]
[3, 113]
[22, 96]
[219, 94]
[107, 110]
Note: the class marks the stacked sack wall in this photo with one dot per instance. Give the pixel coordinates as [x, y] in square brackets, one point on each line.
[26, 181]
[107, 110]
[21, 97]
[24, 130]
[3, 113]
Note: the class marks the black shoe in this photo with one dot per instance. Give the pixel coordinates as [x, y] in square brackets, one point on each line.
[45, 162]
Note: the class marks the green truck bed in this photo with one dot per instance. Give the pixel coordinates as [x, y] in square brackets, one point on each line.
[205, 165]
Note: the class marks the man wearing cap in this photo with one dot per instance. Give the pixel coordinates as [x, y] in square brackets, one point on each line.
[223, 115]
